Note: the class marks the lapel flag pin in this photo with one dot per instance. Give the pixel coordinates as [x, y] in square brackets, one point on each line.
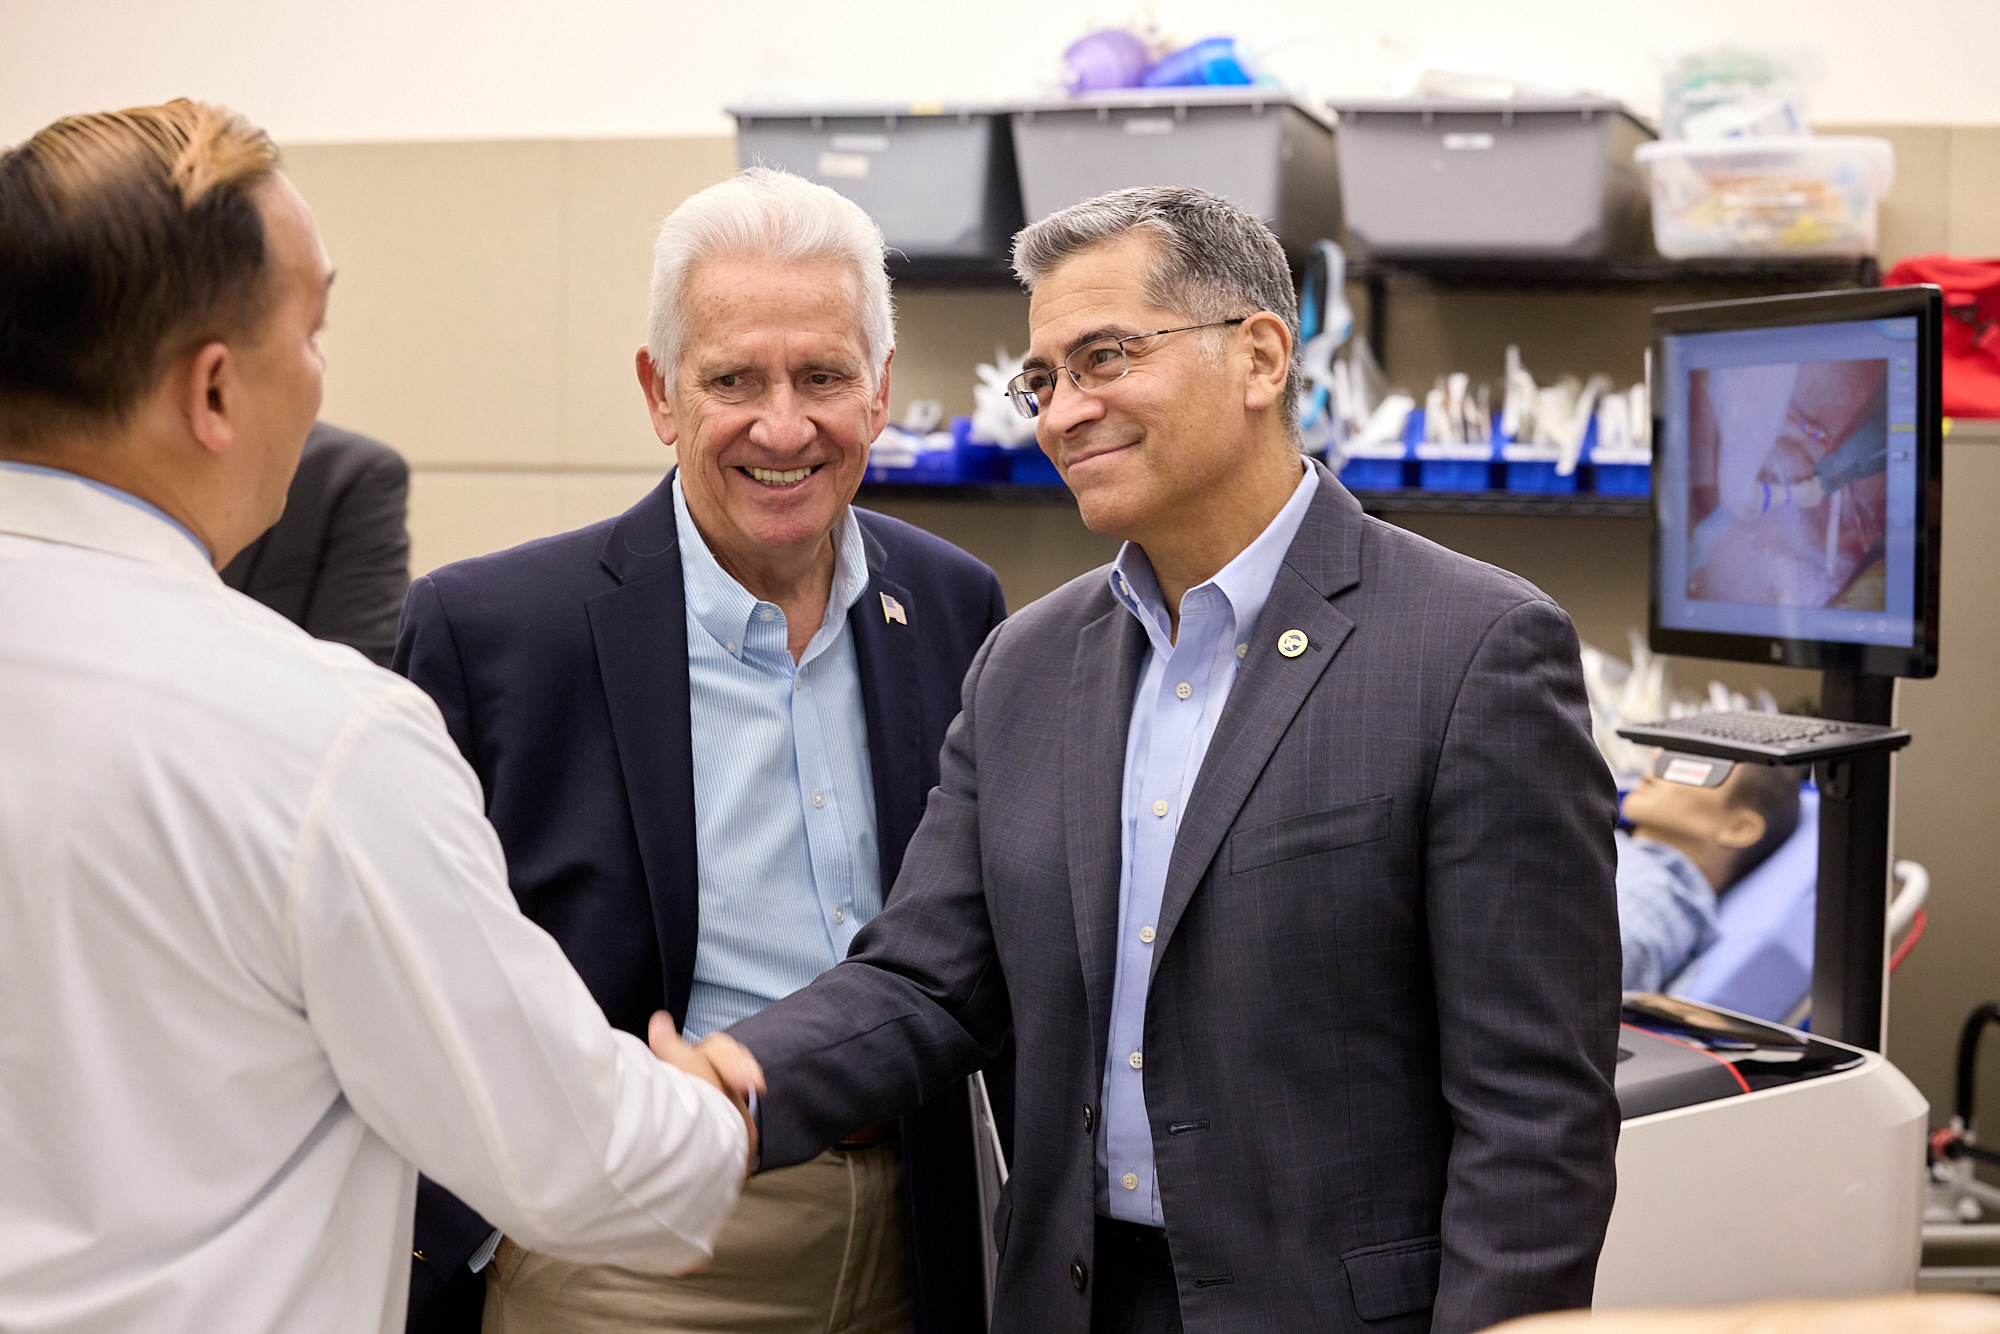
[892, 611]
[1292, 643]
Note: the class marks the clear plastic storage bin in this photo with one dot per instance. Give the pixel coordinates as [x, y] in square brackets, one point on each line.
[1809, 195]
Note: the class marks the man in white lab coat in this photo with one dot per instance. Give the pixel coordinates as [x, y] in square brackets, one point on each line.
[259, 963]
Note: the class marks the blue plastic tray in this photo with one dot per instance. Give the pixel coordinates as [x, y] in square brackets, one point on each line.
[1623, 479]
[1452, 475]
[1031, 467]
[1372, 474]
[1539, 478]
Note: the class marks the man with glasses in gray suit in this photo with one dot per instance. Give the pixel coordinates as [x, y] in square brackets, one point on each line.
[1280, 845]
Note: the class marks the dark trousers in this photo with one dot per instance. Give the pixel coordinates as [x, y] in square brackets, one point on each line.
[1133, 1289]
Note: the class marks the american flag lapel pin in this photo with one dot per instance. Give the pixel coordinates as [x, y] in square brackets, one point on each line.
[892, 611]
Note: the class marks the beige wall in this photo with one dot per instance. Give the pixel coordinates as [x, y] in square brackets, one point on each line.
[489, 301]
[351, 71]
[491, 296]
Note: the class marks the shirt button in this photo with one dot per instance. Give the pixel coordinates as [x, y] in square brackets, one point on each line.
[731, 646]
[1160, 807]
[819, 799]
[1146, 934]
[1136, 1061]
[798, 683]
[1130, 1181]
[839, 916]
[1183, 690]
[765, 614]
[1242, 649]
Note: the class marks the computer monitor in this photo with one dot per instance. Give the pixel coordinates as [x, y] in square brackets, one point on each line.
[1797, 448]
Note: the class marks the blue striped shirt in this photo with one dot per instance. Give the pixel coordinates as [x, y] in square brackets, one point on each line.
[783, 797]
[1183, 684]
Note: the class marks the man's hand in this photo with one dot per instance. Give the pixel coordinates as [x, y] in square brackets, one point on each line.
[733, 1065]
[731, 1078]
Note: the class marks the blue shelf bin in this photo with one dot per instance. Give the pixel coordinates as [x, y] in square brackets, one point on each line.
[1623, 479]
[1539, 479]
[1372, 475]
[937, 467]
[1444, 474]
[977, 461]
[1452, 474]
[1031, 467]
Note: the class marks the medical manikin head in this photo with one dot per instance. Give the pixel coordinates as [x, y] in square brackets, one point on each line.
[1726, 830]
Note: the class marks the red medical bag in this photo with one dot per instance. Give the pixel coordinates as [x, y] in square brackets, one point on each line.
[1971, 327]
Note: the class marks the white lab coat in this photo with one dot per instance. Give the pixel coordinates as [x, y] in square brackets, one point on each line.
[259, 965]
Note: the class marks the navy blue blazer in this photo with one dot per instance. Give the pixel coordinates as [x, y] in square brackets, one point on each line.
[560, 668]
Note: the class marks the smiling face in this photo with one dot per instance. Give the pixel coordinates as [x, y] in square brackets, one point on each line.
[1139, 452]
[772, 407]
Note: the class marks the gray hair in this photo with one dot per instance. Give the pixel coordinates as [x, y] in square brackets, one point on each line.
[773, 215]
[1215, 261]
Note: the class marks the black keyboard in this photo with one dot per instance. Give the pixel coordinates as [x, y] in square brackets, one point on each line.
[1766, 738]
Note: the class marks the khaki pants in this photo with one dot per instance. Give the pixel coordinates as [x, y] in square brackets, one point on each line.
[818, 1247]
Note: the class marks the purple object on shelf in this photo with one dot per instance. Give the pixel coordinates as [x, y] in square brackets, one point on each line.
[1104, 60]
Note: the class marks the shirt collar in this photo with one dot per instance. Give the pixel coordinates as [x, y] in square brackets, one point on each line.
[54, 505]
[724, 607]
[1245, 582]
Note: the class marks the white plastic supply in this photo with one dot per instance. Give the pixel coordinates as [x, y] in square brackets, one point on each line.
[1802, 195]
[1727, 92]
[995, 420]
[1382, 437]
[1624, 429]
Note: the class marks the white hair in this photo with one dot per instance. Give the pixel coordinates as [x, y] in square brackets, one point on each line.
[774, 215]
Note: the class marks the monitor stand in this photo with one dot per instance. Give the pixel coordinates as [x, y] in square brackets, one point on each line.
[1850, 927]
[1851, 766]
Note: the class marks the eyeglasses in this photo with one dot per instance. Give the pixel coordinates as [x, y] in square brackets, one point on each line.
[1090, 367]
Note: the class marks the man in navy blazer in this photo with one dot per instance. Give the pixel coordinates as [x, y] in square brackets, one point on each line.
[614, 687]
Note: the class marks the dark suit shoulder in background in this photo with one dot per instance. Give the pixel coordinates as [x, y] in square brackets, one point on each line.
[338, 563]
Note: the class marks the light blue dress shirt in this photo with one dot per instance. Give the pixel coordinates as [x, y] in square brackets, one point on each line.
[125, 497]
[784, 800]
[1666, 911]
[1183, 684]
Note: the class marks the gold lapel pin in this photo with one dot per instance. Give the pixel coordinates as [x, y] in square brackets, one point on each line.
[1292, 643]
[892, 611]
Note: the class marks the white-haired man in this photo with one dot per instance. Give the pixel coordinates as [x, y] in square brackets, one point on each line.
[706, 729]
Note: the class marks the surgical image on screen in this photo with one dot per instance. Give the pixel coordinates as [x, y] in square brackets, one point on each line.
[1787, 485]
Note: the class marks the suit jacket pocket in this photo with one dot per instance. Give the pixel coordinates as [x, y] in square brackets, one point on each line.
[1315, 831]
[1394, 1278]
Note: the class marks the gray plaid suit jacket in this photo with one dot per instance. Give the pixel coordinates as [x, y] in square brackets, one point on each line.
[1384, 1007]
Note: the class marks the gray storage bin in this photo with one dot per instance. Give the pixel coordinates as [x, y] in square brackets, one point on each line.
[940, 182]
[1538, 177]
[1257, 147]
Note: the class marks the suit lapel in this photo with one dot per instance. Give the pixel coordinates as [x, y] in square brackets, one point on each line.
[1270, 688]
[1102, 681]
[885, 654]
[640, 632]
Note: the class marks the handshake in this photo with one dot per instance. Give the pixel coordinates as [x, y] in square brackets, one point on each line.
[720, 1060]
